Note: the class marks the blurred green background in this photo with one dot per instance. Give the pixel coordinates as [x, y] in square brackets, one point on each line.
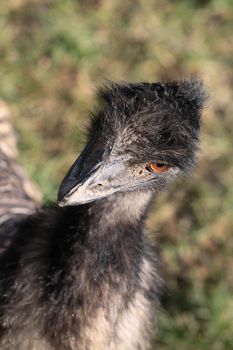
[53, 55]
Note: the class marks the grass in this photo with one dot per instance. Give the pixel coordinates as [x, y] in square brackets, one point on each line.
[52, 56]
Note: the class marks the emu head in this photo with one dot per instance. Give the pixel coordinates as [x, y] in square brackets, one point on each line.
[144, 136]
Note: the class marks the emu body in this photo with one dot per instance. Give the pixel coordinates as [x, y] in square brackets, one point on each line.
[90, 288]
[84, 277]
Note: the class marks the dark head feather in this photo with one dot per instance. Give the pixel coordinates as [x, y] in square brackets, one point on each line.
[160, 119]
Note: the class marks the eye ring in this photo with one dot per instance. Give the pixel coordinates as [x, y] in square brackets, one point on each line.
[158, 167]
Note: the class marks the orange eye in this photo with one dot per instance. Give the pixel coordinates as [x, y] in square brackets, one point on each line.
[159, 167]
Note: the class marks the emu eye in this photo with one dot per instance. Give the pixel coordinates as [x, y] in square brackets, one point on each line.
[159, 167]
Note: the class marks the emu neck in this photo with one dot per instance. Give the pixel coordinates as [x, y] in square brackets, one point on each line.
[119, 211]
[100, 240]
[105, 268]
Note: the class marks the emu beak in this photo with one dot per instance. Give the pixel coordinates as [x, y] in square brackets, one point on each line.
[90, 186]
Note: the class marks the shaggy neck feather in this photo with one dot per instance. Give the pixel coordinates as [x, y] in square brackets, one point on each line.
[118, 211]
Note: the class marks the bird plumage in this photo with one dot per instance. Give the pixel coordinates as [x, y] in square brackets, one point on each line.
[84, 276]
[19, 197]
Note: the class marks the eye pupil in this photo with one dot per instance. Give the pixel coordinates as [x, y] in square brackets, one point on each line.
[159, 167]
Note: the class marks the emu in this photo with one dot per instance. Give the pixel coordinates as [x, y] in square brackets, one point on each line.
[83, 276]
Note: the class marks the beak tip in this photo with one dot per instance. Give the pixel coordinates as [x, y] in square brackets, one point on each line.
[62, 202]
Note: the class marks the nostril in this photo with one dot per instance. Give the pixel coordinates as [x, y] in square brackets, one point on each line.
[96, 187]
